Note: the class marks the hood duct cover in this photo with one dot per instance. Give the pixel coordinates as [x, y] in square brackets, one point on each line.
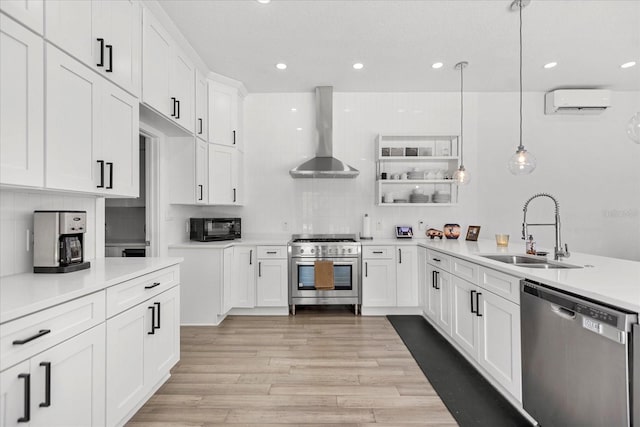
[324, 165]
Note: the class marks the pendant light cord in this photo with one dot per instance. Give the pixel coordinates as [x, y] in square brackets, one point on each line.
[520, 147]
[461, 115]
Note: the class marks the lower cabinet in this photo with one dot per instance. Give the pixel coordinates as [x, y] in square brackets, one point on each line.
[62, 386]
[143, 343]
[378, 282]
[407, 285]
[390, 276]
[271, 283]
[243, 277]
[439, 297]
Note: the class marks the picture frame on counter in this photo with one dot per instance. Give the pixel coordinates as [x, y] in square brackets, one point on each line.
[472, 233]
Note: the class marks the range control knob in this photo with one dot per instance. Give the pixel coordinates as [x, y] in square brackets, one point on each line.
[301, 250]
[349, 250]
[312, 250]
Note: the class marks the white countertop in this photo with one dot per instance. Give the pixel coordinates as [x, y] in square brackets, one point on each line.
[23, 294]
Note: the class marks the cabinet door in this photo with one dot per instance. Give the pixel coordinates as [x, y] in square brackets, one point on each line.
[72, 105]
[126, 382]
[157, 61]
[379, 283]
[271, 286]
[432, 305]
[76, 369]
[464, 323]
[221, 168]
[162, 347]
[120, 147]
[244, 277]
[223, 114]
[182, 87]
[28, 12]
[202, 115]
[499, 343]
[12, 395]
[21, 112]
[407, 276]
[202, 172]
[70, 25]
[121, 22]
[444, 301]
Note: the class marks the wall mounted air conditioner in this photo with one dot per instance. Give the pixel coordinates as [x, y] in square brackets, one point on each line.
[577, 101]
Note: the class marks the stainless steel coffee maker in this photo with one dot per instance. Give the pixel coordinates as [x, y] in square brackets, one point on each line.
[58, 241]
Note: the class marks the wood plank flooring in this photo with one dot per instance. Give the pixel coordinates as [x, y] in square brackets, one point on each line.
[316, 368]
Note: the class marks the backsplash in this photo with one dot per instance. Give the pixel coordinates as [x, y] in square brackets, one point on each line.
[16, 225]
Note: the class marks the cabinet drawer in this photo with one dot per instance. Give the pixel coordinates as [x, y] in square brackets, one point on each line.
[275, 252]
[465, 270]
[125, 295]
[439, 260]
[381, 252]
[63, 321]
[500, 284]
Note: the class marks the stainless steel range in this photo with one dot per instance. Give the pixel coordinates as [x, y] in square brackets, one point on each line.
[345, 254]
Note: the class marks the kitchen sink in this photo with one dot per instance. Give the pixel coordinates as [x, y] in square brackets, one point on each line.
[529, 261]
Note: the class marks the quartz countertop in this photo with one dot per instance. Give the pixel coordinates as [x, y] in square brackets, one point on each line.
[23, 294]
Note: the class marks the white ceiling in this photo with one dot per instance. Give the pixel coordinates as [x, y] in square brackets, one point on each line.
[397, 41]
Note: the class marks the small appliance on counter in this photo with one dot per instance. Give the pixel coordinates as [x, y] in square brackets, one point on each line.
[404, 232]
[214, 229]
[58, 241]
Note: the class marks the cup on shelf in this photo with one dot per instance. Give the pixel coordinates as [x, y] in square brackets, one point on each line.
[387, 198]
[502, 240]
[383, 175]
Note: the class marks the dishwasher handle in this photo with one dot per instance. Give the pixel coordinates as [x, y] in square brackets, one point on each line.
[563, 312]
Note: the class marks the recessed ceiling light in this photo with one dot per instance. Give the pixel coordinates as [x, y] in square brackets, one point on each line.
[437, 65]
[264, 1]
[298, 128]
[628, 64]
[358, 66]
[281, 66]
[550, 65]
[294, 110]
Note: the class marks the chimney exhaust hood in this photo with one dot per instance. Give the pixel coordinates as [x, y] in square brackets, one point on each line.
[324, 165]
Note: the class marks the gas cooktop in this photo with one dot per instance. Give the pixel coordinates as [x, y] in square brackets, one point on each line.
[323, 238]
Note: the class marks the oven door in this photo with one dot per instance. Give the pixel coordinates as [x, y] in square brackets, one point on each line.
[345, 276]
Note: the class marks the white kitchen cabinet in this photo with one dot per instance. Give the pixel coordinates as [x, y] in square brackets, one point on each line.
[202, 107]
[271, 283]
[225, 168]
[379, 277]
[164, 343]
[28, 12]
[13, 384]
[168, 76]
[21, 112]
[464, 315]
[243, 277]
[104, 35]
[407, 285]
[439, 296]
[223, 114]
[202, 172]
[91, 125]
[189, 172]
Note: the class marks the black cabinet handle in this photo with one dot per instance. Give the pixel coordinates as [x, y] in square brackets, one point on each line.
[110, 186]
[250, 256]
[366, 269]
[201, 190]
[101, 163]
[436, 259]
[471, 298]
[41, 332]
[478, 304]
[173, 100]
[271, 252]
[377, 252]
[101, 63]
[437, 276]
[399, 256]
[47, 384]
[110, 49]
[259, 269]
[234, 195]
[157, 304]
[152, 286]
[27, 398]
[178, 114]
[234, 137]
[200, 131]
[153, 320]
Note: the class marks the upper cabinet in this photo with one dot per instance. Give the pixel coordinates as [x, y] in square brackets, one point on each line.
[223, 114]
[21, 112]
[105, 35]
[28, 12]
[225, 175]
[168, 76]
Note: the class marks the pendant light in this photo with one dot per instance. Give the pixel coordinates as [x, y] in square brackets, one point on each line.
[522, 162]
[461, 176]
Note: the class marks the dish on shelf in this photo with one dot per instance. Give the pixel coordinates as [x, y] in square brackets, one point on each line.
[415, 175]
[396, 151]
[419, 198]
[411, 151]
[400, 201]
[385, 151]
[425, 151]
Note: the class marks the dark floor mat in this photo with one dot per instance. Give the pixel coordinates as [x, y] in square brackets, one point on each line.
[469, 397]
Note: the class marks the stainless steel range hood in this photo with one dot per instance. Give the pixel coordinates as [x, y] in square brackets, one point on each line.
[324, 165]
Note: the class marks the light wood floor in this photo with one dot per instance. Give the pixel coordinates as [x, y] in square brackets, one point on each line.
[316, 368]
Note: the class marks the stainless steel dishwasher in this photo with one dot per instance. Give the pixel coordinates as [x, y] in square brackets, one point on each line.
[576, 359]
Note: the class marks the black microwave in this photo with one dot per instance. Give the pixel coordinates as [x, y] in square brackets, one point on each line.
[214, 229]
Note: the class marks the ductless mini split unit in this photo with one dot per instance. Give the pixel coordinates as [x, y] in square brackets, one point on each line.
[577, 101]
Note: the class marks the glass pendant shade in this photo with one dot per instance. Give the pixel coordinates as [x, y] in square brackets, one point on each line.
[633, 128]
[522, 162]
[461, 176]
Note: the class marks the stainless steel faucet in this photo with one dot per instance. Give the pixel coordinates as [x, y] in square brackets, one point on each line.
[559, 252]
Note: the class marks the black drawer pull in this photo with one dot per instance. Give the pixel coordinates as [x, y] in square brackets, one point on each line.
[178, 113]
[110, 186]
[399, 256]
[201, 191]
[250, 256]
[101, 162]
[200, 131]
[110, 49]
[234, 137]
[271, 252]
[234, 195]
[27, 398]
[157, 304]
[153, 320]
[174, 106]
[478, 304]
[40, 333]
[378, 252]
[471, 298]
[152, 286]
[101, 63]
[436, 259]
[47, 384]
[259, 268]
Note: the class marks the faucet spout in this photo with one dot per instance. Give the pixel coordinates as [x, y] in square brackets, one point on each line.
[559, 251]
